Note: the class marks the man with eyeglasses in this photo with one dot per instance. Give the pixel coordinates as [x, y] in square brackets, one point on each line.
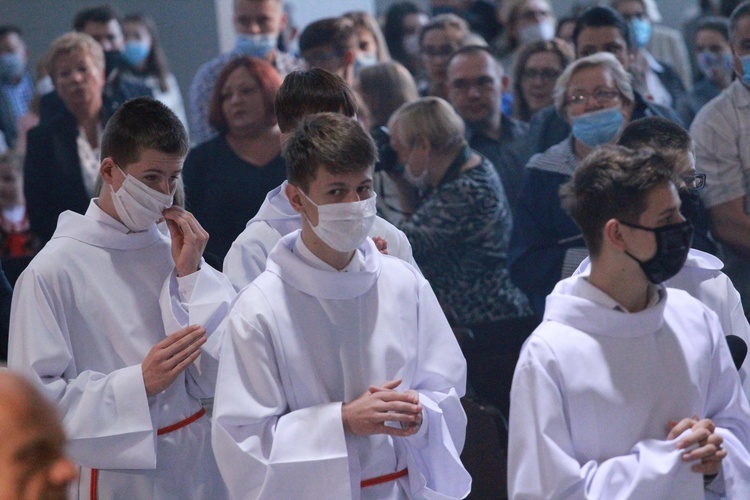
[598, 29]
[476, 84]
[330, 44]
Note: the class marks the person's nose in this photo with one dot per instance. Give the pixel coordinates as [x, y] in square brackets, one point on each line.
[353, 196]
[591, 104]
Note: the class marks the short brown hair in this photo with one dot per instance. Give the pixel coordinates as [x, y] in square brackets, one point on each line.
[73, 42]
[338, 32]
[327, 140]
[314, 91]
[612, 183]
[385, 87]
[262, 72]
[560, 48]
[142, 123]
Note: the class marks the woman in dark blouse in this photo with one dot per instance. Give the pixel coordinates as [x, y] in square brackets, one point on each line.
[227, 178]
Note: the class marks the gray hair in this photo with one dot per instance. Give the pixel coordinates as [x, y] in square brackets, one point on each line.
[72, 42]
[604, 60]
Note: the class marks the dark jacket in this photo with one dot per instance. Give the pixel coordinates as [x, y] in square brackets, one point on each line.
[53, 181]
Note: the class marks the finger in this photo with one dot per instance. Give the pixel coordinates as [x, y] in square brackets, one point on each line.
[176, 336]
[701, 453]
[680, 427]
[402, 407]
[187, 341]
[694, 437]
[706, 423]
[395, 431]
[391, 384]
[180, 367]
[389, 396]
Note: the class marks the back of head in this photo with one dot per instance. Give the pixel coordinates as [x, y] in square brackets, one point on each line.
[727, 7]
[432, 119]
[7, 29]
[602, 17]
[613, 182]
[327, 140]
[98, 14]
[455, 27]
[385, 87]
[142, 123]
[337, 32]
[656, 133]
[313, 91]
[742, 11]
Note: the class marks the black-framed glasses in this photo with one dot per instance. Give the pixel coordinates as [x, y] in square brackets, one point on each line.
[695, 182]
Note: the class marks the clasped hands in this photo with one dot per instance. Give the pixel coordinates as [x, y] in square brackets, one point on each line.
[709, 452]
[371, 412]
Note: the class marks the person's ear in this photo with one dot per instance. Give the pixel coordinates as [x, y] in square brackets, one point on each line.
[295, 198]
[504, 84]
[106, 170]
[613, 235]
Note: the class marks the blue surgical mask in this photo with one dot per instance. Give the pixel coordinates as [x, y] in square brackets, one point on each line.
[11, 67]
[256, 45]
[364, 61]
[598, 127]
[641, 29]
[709, 63]
[136, 52]
[745, 60]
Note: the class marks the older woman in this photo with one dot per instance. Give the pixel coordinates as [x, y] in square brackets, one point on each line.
[228, 177]
[459, 221]
[62, 159]
[538, 65]
[439, 38]
[595, 97]
[459, 227]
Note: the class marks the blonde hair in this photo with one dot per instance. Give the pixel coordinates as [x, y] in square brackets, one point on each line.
[71, 42]
[433, 119]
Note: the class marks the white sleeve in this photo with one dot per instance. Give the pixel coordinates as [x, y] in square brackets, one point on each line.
[106, 416]
[542, 460]
[246, 258]
[439, 376]
[207, 303]
[263, 450]
[728, 408]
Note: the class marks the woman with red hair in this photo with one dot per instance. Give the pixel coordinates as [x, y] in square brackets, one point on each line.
[227, 178]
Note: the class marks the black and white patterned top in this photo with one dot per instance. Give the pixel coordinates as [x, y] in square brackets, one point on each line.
[459, 235]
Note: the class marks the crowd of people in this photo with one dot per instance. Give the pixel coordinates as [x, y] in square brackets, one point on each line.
[298, 281]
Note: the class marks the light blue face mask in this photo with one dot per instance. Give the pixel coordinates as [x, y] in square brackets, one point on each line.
[710, 63]
[598, 127]
[745, 60]
[641, 29]
[11, 67]
[364, 61]
[136, 52]
[256, 45]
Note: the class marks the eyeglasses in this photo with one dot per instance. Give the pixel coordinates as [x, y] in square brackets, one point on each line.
[483, 83]
[695, 182]
[546, 75]
[601, 96]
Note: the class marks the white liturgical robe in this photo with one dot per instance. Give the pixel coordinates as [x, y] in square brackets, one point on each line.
[246, 258]
[595, 389]
[85, 313]
[301, 340]
[702, 278]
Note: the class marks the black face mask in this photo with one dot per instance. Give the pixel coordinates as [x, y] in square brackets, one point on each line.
[112, 59]
[672, 247]
[690, 204]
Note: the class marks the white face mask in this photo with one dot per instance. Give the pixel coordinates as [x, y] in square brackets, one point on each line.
[344, 226]
[421, 181]
[533, 32]
[138, 205]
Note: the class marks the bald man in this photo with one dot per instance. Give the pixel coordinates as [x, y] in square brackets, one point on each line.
[32, 462]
